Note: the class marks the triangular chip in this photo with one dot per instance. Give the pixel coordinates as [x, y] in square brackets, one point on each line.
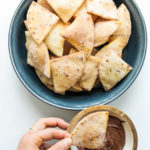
[115, 45]
[48, 82]
[90, 132]
[81, 33]
[54, 41]
[103, 30]
[103, 8]
[124, 31]
[44, 4]
[39, 22]
[38, 55]
[90, 73]
[112, 69]
[67, 70]
[65, 8]
[76, 88]
[82, 10]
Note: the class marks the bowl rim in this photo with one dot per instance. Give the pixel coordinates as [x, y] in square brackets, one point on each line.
[83, 107]
[80, 115]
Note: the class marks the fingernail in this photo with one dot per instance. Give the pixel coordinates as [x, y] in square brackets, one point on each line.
[68, 141]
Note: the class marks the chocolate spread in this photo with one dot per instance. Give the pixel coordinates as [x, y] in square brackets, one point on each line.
[115, 136]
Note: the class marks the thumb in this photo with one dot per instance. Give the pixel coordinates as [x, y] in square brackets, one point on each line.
[62, 145]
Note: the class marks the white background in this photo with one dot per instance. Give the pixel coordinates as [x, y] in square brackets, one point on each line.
[19, 109]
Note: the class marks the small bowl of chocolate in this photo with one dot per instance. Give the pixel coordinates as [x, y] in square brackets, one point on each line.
[102, 128]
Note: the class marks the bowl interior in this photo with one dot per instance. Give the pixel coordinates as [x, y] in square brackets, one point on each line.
[131, 139]
[134, 54]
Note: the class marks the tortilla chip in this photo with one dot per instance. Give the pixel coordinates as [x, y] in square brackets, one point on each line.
[54, 41]
[44, 4]
[103, 8]
[124, 31]
[90, 73]
[82, 10]
[76, 88]
[91, 130]
[112, 69]
[67, 70]
[81, 33]
[115, 45]
[38, 55]
[39, 22]
[48, 82]
[103, 30]
[65, 9]
[72, 50]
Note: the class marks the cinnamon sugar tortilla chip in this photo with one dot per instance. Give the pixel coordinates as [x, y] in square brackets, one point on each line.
[91, 130]
[115, 45]
[81, 33]
[54, 41]
[90, 73]
[38, 55]
[44, 4]
[103, 8]
[103, 30]
[112, 69]
[124, 31]
[67, 70]
[65, 8]
[48, 82]
[82, 10]
[39, 22]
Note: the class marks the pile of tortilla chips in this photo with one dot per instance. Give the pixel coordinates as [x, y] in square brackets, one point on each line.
[63, 39]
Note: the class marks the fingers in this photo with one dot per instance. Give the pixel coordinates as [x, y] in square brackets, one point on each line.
[48, 134]
[45, 146]
[50, 122]
[62, 145]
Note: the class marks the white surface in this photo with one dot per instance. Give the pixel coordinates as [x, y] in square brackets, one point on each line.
[19, 109]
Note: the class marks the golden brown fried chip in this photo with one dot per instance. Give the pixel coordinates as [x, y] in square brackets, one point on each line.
[91, 130]
[115, 45]
[67, 70]
[38, 55]
[82, 10]
[103, 8]
[112, 69]
[90, 73]
[124, 31]
[39, 22]
[44, 4]
[76, 87]
[54, 41]
[103, 30]
[65, 8]
[81, 33]
[48, 82]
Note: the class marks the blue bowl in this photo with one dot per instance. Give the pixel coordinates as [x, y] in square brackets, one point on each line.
[134, 54]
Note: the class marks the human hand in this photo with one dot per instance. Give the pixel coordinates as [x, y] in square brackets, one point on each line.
[43, 130]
